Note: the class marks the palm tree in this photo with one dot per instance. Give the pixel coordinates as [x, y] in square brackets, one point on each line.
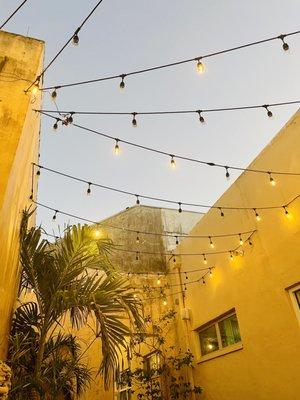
[71, 277]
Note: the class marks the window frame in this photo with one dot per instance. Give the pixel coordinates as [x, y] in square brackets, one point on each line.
[147, 357]
[222, 349]
[295, 302]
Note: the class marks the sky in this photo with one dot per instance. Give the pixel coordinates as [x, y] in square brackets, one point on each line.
[126, 35]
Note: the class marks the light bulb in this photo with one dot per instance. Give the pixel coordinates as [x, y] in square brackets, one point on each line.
[269, 112]
[54, 216]
[177, 241]
[257, 216]
[203, 280]
[201, 118]
[210, 272]
[165, 302]
[241, 240]
[204, 259]
[227, 173]
[200, 66]
[117, 148]
[173, 163]
[221, 212]
[271, 179]
[55, 125]
[286, 212]
[211, 243]
[179, 207]
[137, 238]
[134, 295]
[88, 191]
[137, 256]
[122, 83]
[285, 46]
[75, 39]
[54, 94]
[134, 121]
[137, 199]
[231, 256]
[97, 233]
[158, 281]
[35, 89]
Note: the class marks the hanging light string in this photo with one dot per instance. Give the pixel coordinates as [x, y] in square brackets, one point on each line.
[141, 196]
[13, 13]
[74, 38]
[172, 156]
[198, 112]
[198, 60]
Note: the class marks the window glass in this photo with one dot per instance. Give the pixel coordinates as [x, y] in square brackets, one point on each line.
[229, 331]
[125, 395]
[297, 295]
[152, 362]
[208, 340]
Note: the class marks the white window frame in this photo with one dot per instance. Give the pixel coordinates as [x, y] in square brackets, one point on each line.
[222, 349]
[292, 292]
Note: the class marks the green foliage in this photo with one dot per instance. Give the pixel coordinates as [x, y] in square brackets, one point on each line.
[169, 380]
[60, 276]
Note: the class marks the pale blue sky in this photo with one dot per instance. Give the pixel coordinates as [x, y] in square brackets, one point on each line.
[126, 35]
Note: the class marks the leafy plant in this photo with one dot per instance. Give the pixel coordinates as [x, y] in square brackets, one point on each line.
[169, 378]
[71, 277]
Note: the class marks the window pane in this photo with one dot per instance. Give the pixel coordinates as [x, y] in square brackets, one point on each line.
[229, 330]
[297, 294]
[208, 340]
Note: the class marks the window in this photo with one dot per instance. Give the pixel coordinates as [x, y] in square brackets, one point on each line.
[124, 394]
[297, 296]
[152, 362]
[220, 334]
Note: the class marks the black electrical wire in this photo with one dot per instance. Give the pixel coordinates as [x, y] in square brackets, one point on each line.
[173, 64]
[11, 15]
[40, 76]
[170, 112]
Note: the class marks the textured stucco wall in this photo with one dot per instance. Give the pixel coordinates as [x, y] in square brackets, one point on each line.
[21, 60]
[267, 367]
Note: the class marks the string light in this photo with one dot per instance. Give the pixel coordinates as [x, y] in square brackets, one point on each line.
[190, 159]
[69, 118]
[210, 272]
[137, 256]
[97, 233]
[165, 302]
[137, 238]
[240, 240]
[211, 242]
[54, 215]
[257, 216]
[134, 121]
[75, 39]
[272, 180]
[269, 112]
[200, 65]
[186, 276]
[227, 173]
[221, 212]
[177, 241]
[137, 199]
[88, 191]
[231, 256]
[179, 207]
[117, 147]
[203, 280]
[169, 64]
[201, 118]
[35, 89]
[158, 281]
[54, 94]
[250, 241]
[122, 83]
[287, 214]
[38, 172]
[204, 259]
[173, 163]
[285, 46]
[55, 125]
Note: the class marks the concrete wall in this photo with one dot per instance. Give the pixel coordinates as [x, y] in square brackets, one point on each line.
[21, 59]
[268, 364]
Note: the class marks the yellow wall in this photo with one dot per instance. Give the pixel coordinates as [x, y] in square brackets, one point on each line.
[21, 60]
[268, 365]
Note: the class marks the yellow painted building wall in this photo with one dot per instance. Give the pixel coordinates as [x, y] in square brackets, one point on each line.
[21, 59]
[268, 365]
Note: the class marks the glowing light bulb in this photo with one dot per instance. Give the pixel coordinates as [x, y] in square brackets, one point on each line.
[204, 259]
[231, 256]
[35, 89]
[165, 302]
[211, 243]
[257, 216]
[97, 233]
[272, 180]
[241, 240]
[134, 295]
[200, 66]
[158, 281]
[210, 272]
[137, 238]
[173, 163]
[117, 148]
[286, 212]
